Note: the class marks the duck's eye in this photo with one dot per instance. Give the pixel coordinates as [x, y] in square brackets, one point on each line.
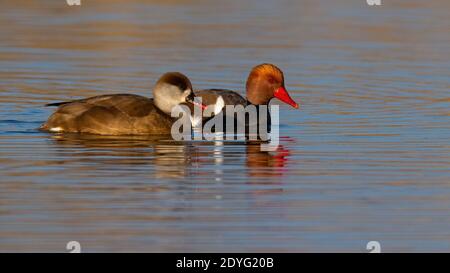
[271, 80]
[190, 95]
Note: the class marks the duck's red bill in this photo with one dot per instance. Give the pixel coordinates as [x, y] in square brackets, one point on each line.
[201, 105]
[283, 95]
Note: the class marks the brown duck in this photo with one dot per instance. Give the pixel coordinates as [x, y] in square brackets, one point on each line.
[124, 114]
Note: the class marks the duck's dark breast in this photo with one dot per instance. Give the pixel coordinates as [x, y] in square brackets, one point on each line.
[120, 114]
[209, 96]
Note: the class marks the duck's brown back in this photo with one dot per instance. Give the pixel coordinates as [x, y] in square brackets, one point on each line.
[119, 114]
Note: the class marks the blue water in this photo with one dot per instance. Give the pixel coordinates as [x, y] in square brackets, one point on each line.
[367, 156]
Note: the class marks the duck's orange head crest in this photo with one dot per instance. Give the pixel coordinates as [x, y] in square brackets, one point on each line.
[265, 82]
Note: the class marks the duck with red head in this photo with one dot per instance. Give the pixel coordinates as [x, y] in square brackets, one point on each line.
[265, 82]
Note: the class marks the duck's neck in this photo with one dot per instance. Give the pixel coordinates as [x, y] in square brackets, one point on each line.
[259, 108]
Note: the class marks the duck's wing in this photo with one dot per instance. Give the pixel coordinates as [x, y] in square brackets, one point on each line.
[109, 114]
[98, 99]
[229, 97]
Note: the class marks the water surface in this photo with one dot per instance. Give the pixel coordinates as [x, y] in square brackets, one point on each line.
[367, 157]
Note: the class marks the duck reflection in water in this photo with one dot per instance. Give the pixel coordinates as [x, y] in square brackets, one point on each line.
[165, 158]
[161, 157]
[264, 164]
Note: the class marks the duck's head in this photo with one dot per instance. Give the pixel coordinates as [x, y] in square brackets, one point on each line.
[266, 81]
[172, 89]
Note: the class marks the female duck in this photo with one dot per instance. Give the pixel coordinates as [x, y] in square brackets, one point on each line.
[124, 114]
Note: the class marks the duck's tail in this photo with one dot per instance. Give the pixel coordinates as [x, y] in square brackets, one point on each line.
[57, 103]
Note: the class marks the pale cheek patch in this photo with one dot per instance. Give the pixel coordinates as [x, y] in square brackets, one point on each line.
[56, 129]
[186, 93]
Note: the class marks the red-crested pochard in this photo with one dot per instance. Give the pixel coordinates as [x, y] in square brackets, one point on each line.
[265, 81]
[124, 114]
